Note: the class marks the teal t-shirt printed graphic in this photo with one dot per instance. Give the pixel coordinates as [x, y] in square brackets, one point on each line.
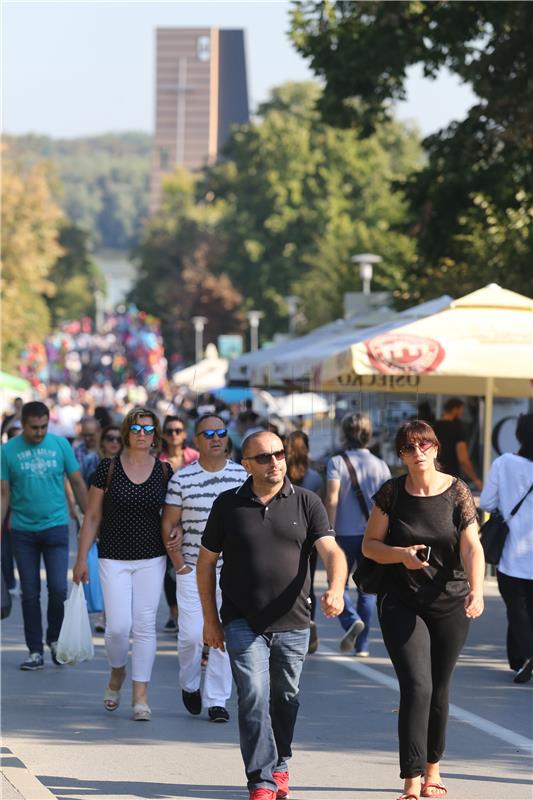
[36, 481]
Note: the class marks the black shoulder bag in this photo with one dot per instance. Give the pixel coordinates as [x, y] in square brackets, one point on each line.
[494, 532]
[368, 573]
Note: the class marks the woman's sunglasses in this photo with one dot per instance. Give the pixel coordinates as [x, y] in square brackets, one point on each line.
[112, 439]
[221, 433]
[135, 428]
[172, 431]
[266, 458]
[423, 446]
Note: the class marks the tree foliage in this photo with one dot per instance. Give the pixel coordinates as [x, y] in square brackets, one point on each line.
[30, 247]
[471, 203]
[102, 181]
[300, 197]
[75, 277]
[176, 257]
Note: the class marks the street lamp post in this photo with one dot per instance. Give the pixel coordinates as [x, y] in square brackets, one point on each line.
[292, 307]
[199, 325]
[366, 262]
[253, 318]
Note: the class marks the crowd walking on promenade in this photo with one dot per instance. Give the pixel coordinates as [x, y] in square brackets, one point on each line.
[226, 514]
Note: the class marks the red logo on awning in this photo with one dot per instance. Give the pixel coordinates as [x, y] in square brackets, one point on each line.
[399, 354]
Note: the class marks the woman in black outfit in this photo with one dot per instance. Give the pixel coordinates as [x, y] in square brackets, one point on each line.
[427, 599]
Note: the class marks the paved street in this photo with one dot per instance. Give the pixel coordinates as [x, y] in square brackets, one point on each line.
[54, 723]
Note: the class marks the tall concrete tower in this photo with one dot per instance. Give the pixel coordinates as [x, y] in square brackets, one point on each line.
[200, 92]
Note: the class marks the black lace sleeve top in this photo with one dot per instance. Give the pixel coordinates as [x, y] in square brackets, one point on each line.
[436, 521]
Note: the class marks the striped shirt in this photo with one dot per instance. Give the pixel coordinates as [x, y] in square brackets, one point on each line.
[195, 489]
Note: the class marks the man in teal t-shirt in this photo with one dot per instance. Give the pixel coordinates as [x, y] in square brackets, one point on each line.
[33, 469]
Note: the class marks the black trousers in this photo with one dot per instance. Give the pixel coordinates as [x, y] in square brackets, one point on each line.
[424, 647]
[517, 594]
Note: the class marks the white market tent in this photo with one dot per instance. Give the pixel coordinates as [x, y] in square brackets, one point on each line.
[294, 360]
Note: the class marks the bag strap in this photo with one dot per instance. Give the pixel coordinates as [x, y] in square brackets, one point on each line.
[167, 472]
[109, 476]
[355, 485]
[517, 506]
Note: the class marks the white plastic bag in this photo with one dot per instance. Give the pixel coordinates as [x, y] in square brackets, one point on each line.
[75, 641]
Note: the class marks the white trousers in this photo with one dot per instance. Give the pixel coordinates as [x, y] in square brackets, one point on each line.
[131, 592]
[217, 683]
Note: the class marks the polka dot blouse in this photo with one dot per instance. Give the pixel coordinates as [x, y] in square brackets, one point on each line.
[131, 516]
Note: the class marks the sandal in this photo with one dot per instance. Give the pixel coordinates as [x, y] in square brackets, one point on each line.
[442, 791]
[408, 797]
[142, 712]
[111, 699]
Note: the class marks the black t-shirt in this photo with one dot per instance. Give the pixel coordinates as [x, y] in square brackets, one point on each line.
[449, 433]
[265, 575]
[436, 521]
[131, 516]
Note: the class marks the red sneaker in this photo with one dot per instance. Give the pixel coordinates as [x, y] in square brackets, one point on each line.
[282, 782]
[262, 794]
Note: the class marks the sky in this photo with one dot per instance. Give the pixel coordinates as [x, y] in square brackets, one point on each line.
[75, 68]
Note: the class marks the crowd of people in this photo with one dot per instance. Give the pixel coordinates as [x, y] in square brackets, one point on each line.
[227, 515]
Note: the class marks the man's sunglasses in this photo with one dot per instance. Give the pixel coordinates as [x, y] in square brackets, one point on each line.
[221, 433]
[423, 446]
[170, 431]
[112, 439]
[266, 458]
[135, 428]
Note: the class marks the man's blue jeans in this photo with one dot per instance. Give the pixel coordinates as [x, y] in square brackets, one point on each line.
[266, 668]
[365, 602]
[29, 546]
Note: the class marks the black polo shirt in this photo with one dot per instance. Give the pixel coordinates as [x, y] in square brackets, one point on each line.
[265, 576]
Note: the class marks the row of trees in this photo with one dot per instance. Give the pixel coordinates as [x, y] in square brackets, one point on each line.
[320, 173]
[100, 182]
[282, 213]
[48, 275]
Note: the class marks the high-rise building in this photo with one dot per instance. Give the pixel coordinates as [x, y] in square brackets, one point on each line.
[200, 92]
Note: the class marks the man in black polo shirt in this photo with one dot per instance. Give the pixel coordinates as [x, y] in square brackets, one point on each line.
[266, 530]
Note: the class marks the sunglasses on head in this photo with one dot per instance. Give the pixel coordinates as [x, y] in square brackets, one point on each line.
[220, 433]
[170, 431]
[266, 458]
[136, 428]
[112, 439]
[411, 447]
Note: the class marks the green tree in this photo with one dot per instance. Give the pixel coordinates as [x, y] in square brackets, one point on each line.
[476, 187]
[30, 247]
[300, 197]
[175, 258]
[75, 277]
[103, 181]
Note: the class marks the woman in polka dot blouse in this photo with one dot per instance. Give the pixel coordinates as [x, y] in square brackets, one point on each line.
[125, 501]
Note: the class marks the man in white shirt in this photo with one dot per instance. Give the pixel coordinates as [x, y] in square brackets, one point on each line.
[191, 493]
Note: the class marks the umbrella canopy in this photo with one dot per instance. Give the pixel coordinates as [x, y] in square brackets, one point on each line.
[207, 374]
[301, 405]
[486, 334]
[13, 383]
[480, 344]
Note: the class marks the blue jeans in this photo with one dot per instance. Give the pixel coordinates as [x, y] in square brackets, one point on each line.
[28, 547]
[266, 668]
[365, 602]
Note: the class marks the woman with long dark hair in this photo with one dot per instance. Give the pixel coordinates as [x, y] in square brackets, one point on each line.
[424, 529]
[509, 480]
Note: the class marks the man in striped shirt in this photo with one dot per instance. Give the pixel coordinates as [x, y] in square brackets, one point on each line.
[190, 496]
